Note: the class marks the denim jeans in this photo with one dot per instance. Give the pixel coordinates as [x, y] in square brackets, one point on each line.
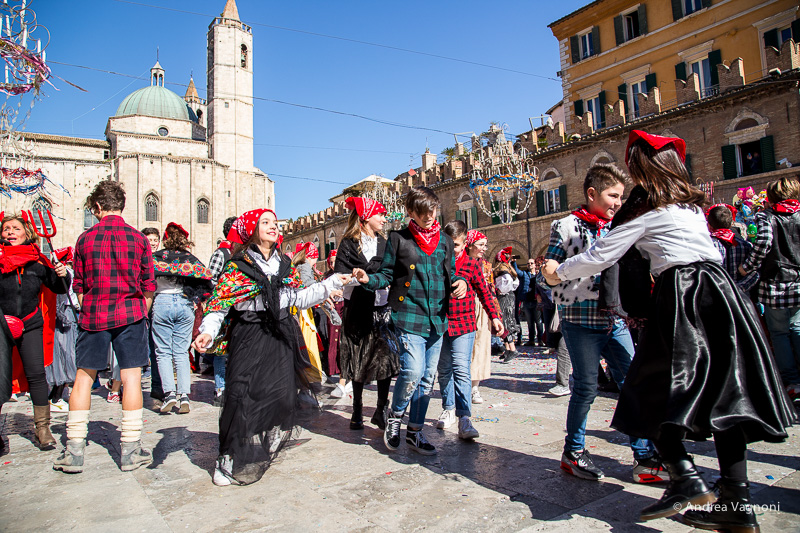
[454, 373]
[784, 329]
[219, 371]
[419, 357]
[586, 347]
[173, 319]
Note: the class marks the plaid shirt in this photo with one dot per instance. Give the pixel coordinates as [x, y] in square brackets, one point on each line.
[775, 294]
[113, 268]
[582, 312]
[461, 315]
[424, 308]
[216, 263]
[732, 257]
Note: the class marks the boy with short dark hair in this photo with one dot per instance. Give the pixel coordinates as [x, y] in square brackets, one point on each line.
[589, 334]
[733, 248]
[153, 237]
[419, 269]
[114, 281]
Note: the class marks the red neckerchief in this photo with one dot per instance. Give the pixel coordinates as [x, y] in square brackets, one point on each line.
[724, 235]
[225, 244]
[427, 239]
[20, 255]
[787, 206]
[461, 259]
[596, 221]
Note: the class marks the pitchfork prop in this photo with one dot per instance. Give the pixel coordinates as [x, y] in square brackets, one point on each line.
[48, 235]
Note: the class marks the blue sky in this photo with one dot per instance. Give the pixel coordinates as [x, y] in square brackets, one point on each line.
[376, 82]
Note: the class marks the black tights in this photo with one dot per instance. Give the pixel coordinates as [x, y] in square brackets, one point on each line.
[57, 392]
[383, 391]
[31, 352]
[731, 450]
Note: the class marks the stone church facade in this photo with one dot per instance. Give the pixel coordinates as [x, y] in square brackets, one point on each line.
[180, 159]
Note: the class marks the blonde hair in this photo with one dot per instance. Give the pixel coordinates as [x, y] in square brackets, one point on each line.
[30, 230]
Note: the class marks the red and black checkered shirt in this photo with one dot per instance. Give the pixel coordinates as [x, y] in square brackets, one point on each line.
[113, 268]
[461, 315]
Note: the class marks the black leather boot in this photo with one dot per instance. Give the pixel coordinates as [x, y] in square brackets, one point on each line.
[733, 511]
[686, 487]
[379, 417]
[357, 421]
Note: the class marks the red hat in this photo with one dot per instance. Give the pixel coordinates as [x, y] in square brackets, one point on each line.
[657, 142]
[730, 208]
[175, 225]
[311, 250]
[65, 255]
[331, 257]
[365, 207]
[474, 236]
[504, 255]
[245, 225]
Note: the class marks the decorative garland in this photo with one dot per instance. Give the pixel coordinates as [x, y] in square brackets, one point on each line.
[26, 182]
[28, 68]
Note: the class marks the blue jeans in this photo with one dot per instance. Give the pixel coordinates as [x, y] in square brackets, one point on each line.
[784, 329]
[219, 371]
[173, 319]
[454, 373]
[419, 357]
[586, 347]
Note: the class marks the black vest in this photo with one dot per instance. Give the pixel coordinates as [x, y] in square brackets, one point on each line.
[782, 263]
[406, 257]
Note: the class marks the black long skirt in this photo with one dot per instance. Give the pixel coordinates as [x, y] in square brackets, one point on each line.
[262, 406]
[368, 347]
[702, 363]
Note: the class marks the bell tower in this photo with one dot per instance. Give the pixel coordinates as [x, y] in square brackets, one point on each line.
[230, 90]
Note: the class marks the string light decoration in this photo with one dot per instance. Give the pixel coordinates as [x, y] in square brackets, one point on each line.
[502, 181]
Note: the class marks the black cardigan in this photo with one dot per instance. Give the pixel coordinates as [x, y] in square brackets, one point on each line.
[362, 300]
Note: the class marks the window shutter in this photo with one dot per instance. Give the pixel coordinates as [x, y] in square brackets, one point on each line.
[680, 71]
[650, 81]
[574, 49]
[513, 205]
[729, 171]
[596, 40]
[771, 38]
[495, 208]
[562, 195]
[458, 214]
[622, 91]
[677, 12]
[714, 59]
[619, 34]
[474, 214]
[796, 30]
[539, 203]
[642, 19]
[602, 99]
[688, 165]
[767, 154]
[578, 108]
[706, 3]
[327, 250]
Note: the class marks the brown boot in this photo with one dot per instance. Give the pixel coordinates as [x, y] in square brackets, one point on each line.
[41, 421]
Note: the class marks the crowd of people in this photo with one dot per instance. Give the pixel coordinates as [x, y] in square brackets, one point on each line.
[658, 297]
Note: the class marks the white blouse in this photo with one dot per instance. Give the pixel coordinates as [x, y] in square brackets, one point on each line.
[302, 298]
[667, 237]
[505, 283]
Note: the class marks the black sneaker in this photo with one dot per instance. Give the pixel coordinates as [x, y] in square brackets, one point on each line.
[391, 436]
[416, 441]
[218, 399]
[169, 403]
[510, 356]
[580, 464]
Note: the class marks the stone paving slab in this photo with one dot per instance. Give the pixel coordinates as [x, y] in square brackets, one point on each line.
[335, 479]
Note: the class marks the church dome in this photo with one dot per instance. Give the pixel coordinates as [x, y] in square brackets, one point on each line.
[156, 101]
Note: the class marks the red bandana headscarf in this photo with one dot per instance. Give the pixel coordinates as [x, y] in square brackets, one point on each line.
[598, 222]
[245, 225]
[179, 228]
[329, 260]
[311, 250]
[504, 255]
[427, 239]
[657, 142]
[787, 206]
[724, 235]
[730, 208]
[474, 236]
[365, 207]
[65, 255]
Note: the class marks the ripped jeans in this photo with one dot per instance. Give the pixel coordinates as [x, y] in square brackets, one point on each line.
[419, 358]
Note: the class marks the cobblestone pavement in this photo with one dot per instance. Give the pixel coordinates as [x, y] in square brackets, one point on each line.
[335, 479]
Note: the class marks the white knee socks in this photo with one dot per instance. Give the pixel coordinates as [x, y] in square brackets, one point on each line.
[131, 425]
[77, 425]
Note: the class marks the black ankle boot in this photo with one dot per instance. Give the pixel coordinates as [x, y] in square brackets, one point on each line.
[379, 417]
[733, 511]
[685, 487]
[356, 421]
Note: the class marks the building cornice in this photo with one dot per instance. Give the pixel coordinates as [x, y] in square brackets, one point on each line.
[61, 139]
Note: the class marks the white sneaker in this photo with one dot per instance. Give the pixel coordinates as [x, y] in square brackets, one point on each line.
[446, 419]
[466, 430]
[60, 406]
[559, 390]
[220, 479]
[13, 398]
[349, 387]
[476, 395]
[338, 391]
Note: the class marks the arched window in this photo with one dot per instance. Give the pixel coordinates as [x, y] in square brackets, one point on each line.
[202, 211]
[244, 56]
[151, 208]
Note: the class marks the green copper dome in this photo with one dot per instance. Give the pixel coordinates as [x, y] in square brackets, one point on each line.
[156, 101]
